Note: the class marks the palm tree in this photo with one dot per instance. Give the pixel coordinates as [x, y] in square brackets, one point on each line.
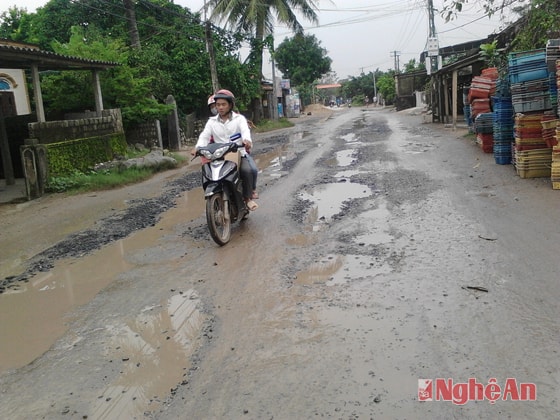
[258, 17]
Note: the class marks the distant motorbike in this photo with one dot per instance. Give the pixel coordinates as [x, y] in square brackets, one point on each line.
[223, 189]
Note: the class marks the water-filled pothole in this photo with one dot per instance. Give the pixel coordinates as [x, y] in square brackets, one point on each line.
[328, 198]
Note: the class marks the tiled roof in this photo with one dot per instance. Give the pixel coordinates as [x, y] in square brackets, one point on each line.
[22, 57]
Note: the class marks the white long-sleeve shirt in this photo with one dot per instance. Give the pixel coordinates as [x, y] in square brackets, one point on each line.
[224, 132]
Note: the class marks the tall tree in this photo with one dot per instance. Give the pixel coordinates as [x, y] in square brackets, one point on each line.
[132, 27]
[15, 24]
[171, 60]
[302, 59]
[258, 17]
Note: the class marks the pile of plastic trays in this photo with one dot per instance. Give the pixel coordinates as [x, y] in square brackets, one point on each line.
[528, 132]
[555, 170]
[482, 88]
[484, 129]
[552, 53]
[503, 129]
[530, 81]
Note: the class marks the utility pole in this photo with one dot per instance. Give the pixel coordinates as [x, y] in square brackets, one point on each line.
[396, 55]
[433, 43]
[431, 19]
[210, 50]
[374, 87]
[274, 93]
[432, 66]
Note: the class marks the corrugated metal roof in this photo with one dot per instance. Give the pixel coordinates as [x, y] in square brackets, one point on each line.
[23, 57]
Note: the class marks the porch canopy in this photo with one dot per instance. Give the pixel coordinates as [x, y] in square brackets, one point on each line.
[17, 55]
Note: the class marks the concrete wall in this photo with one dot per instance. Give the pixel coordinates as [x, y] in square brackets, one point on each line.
[56, 131]
[147, 134]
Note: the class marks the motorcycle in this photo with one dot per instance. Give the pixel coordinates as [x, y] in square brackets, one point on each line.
[223, 188]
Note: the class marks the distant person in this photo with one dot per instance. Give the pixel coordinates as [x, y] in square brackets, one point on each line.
[212, 106]
[366, 100]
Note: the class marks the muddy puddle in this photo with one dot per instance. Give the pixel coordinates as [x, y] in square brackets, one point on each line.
[34, 316]
[337, 269]
[274, 160]
[345, 157]
[154, 349]
[328, 200]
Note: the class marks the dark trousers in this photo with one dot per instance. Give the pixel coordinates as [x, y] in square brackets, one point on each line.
[246, 173]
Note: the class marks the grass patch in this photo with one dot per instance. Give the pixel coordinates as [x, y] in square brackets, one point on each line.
[114, 177]
[181, 159]
[96, 181]
[270, 125]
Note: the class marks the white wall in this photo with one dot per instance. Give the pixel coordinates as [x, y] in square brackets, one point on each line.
[16, 80]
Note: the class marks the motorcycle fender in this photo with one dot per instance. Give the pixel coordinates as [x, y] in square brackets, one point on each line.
[213, 188]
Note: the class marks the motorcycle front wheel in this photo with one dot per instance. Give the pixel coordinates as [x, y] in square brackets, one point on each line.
[218, 219]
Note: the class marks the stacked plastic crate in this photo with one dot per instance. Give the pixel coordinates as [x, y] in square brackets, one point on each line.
[532, 156]
[503, 122]
[467, 108]
[503, 129]
[549, 124]
[554, 54]
[484, 128]
[530, 83]
[553, 90]
[481, 90]
[555, 171]
[531, 100]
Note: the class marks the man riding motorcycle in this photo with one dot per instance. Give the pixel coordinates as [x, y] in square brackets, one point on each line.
[229, 126]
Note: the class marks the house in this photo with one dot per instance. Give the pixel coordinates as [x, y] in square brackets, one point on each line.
[446, 85]
[24, 135]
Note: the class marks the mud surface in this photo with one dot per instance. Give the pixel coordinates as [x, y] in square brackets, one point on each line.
[385, 251]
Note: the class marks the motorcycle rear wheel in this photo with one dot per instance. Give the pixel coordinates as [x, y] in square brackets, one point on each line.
[218, 219]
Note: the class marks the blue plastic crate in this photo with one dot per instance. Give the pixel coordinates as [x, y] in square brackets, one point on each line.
[503, 160]
[529, 53]
[528, 75]
[528, 66]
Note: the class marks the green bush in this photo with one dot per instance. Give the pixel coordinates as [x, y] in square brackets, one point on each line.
[64, 158]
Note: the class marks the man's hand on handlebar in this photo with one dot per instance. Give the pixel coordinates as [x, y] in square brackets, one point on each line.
[247, 145]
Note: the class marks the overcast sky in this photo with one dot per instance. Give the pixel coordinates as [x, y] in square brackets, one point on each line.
[364, 35]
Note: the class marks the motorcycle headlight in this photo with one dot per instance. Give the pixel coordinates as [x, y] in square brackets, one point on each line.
[220, 152]
[206, 154]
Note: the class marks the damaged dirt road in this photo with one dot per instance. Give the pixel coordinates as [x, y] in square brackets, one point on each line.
[385, 251]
